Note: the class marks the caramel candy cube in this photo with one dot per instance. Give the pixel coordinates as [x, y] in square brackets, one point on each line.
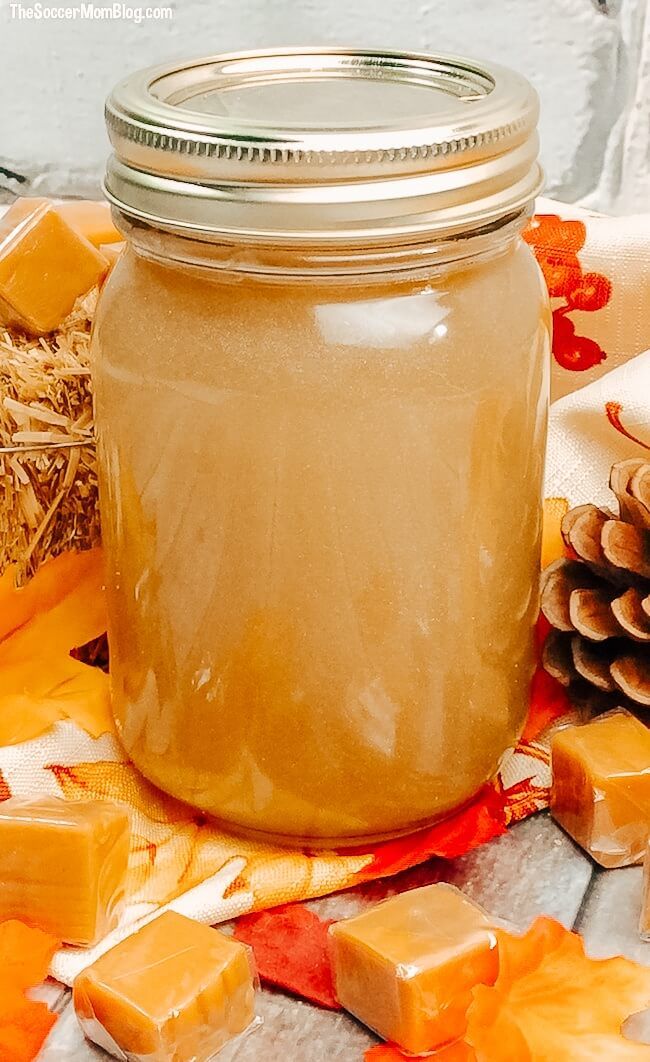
[175, 991]
[601, 787]
[63, 865]
[406, 967]
[92, 219]
[45, 265]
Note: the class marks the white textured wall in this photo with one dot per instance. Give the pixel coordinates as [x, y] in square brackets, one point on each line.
[589, 59]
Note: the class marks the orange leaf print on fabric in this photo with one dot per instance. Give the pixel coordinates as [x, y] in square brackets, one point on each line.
[570, 350]
[613, 412]
[590, 292]
[61, 608]
[25, 955]
[548, 233]
[526, 796]
[556, 243]
[552, 1002]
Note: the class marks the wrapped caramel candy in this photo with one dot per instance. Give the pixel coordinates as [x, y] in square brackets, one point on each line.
[175, 991]
[406, 967]
[63, 865]
[601, 787]
[45, 265]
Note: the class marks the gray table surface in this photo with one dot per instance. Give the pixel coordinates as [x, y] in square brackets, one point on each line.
[533, 869]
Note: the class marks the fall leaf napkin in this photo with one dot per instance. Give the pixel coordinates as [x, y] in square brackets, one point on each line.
[56, 735]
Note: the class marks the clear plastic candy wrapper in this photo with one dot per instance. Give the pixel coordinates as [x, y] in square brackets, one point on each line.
[406, 967]
[63, 865]
[601, 787]
[174, 991]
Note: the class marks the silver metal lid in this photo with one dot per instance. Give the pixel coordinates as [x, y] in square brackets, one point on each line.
[322, 145]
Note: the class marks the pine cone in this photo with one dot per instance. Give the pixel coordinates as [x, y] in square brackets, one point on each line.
[598, 601]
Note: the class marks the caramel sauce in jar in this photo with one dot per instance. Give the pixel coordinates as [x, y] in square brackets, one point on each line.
[321, 479]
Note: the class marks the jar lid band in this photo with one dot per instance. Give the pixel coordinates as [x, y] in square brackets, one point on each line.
[323, 145]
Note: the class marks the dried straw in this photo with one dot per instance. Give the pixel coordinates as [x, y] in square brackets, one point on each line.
[48, 478]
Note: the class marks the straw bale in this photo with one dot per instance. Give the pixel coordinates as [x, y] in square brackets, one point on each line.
[48, 476]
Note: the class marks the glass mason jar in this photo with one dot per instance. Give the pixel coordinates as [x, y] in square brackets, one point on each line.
[321, 387]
